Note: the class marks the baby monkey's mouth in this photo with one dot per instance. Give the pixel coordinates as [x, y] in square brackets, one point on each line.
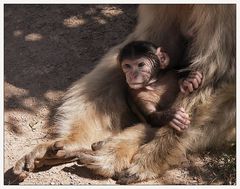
[140, 85]
[136, 85]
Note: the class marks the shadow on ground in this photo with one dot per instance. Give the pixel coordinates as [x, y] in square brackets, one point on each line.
[47, 47]
[82, 172]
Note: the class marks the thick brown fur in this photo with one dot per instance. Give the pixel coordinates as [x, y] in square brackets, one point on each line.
[95, 107]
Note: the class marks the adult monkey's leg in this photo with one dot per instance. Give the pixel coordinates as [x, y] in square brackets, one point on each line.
[116, 152]
[53, 152]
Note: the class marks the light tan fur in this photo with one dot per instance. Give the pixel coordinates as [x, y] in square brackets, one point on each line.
[95, 107]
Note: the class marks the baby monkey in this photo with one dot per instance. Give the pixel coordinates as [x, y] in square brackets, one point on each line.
[153, 87]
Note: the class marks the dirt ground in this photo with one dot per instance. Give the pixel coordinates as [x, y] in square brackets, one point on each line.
[46, 48]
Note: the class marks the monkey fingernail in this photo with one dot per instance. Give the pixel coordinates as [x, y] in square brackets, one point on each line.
[182, 109]
[58, 145]
[61, 153]
[183, 127]
[23, 175]
[29, 167]
[97, 145]
[177, 128]
[182, 89]
[181, 130]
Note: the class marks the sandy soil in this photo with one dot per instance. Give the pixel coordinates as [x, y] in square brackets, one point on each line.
[46, 48]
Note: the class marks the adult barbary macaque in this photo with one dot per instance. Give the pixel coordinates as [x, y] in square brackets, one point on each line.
[152, 86]
[95, 108]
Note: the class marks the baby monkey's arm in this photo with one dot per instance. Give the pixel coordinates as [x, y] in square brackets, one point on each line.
[177, 118]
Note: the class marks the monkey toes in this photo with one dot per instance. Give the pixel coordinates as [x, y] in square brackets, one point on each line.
[57, 150]
[44, 154]
[21, 168]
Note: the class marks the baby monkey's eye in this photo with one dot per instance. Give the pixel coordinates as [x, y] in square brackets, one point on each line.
[127, 65]
[140, 65]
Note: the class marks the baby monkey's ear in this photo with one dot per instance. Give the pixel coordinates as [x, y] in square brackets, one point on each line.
[163, 58]
[118, 61]
[118, 58]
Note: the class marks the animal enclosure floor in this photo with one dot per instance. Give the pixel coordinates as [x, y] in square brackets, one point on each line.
[48, 47]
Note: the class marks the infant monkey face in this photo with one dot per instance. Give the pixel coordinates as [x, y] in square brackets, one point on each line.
[137, 72]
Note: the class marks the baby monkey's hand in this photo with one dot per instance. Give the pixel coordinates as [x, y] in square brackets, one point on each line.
[191, 83]
[180, 120]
